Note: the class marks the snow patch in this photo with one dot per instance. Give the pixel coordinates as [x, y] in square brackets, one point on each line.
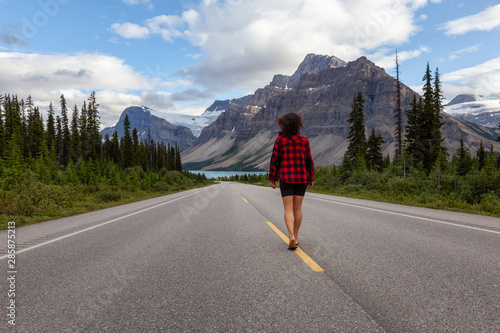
[476, 107]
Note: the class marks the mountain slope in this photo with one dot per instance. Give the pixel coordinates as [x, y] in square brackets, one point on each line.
[144, 120]
[242, 137]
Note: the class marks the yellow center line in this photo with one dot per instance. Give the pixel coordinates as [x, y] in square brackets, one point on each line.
[245, 200]
[311, 263]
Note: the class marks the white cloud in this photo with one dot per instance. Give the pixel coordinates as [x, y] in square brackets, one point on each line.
[130, 30]
[483, 79]
[46, 77]
[486, 20]
[470, 49]
[244, 43]
[388, 61]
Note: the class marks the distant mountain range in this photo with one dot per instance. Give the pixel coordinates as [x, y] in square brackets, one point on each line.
[475, 109]
[170, 128]
[238, 134]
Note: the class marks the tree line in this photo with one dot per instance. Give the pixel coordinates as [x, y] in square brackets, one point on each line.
[65, 141]
[421, 166]
[62, 166]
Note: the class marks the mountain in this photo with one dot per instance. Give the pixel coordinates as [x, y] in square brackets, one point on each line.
[462, 98]
[312, 63]
[242, 137]
[475, 109]
[197, 123]
[144, 120]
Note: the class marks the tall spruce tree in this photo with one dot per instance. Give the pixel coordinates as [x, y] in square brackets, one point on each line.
[74, 143]
[374, 157]
[413, 132]
[84, 135]
[481, 156]
[356, 150]
[115, 153]
[427, 120]
[64, 145]
[178, 162]
[51, 129]
[398, 114]
[127, 144]
[463, 159]
[437, 149]
[93, 122]
[35, 134]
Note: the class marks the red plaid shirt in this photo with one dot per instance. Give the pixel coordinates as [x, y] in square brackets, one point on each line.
[292, 161]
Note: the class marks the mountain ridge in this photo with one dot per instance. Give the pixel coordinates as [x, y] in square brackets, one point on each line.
[242, 137]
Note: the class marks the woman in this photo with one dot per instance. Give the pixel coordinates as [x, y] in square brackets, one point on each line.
[293, 165]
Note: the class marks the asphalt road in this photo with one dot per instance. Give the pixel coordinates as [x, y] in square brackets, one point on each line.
[210, 260]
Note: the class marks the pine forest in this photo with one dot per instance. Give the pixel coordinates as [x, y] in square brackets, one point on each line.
[62, 166]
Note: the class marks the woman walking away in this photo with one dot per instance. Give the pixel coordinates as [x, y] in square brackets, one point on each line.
[293, 165]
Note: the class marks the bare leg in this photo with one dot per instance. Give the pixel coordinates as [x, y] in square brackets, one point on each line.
[289, 218]
[297, 214]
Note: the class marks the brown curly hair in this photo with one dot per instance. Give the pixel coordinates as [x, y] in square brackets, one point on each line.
[290, 123]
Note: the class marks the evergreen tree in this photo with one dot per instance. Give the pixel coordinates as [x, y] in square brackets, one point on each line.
[13, 122]
[481, 156]
[463, 158]
[115, 152]
[430, 121]
[127, 144]
[170, 158]
[59, 140]
[51, 129]
[356, 137]
[374, 156]
[64, 145]
[35, 134]
[135, 146]
[427, 120]
[74, 143]
[178, 162]
[93, 122]
[413, 132]
[398, 113]
[84, 135]
[437, 149]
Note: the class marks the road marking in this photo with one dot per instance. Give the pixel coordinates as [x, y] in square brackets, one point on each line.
[99, 225]
[245, 200]
[407, 215]
[311, 263]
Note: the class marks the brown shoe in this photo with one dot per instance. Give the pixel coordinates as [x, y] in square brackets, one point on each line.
[292, 245]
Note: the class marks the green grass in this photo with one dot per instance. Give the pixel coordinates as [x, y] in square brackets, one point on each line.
[41, 202]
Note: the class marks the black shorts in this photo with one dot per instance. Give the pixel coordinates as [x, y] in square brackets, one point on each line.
[293, 189]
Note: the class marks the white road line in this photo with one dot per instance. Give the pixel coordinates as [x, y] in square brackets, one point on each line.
[407, 215]
[99, 225]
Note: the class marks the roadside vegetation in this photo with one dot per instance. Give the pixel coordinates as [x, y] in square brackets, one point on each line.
[62, 167]
[422, 172]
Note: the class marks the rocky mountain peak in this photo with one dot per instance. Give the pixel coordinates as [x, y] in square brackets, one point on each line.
[147, 123]
[462, 98]
[312, 63]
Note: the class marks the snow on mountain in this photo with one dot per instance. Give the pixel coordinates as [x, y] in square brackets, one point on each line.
[475, 107]
[194, 123]
[483, 111]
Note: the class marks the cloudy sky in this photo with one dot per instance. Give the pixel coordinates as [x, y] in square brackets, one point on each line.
[180, 55]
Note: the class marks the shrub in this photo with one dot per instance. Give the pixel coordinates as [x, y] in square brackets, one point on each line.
[107, 196]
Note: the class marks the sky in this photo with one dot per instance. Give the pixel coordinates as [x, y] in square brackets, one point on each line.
[179, 56]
